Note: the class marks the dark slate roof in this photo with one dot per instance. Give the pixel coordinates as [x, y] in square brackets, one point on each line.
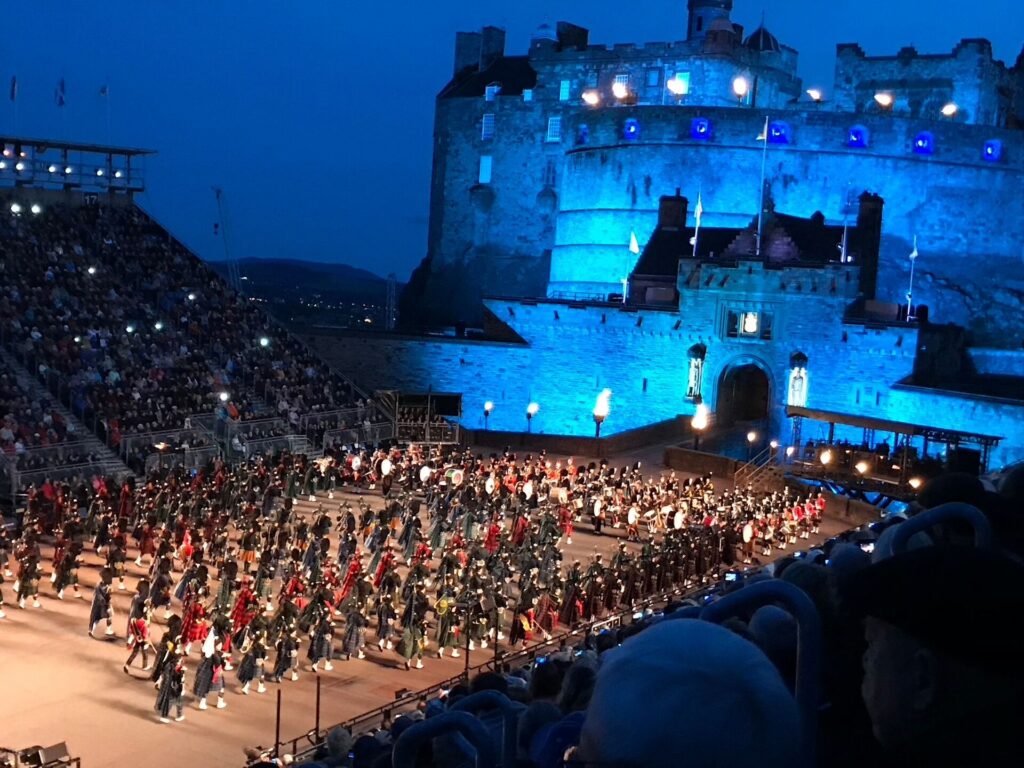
[513, 73]
[661, 255]
[762, 40]
[787, 240]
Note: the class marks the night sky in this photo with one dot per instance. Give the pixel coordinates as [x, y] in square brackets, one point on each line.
[316, 118]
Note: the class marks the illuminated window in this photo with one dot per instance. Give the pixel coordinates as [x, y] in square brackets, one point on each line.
[491, 92]
[554, 129]
[700, 129]
[749, 325]
[682, 86]
[563, 90]
[631, 129]
[487, 127]
[622, 80]
[528, 94]
[653, 77]
[485, 169]
[779, 132]
[858, 136]
[924, 143]
[592, 79]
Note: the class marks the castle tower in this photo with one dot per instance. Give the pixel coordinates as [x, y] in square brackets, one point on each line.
[702, 13]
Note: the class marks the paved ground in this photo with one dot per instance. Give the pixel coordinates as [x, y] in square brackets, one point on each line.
[58, 684]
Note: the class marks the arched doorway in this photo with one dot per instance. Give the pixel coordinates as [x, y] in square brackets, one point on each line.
[743, 394]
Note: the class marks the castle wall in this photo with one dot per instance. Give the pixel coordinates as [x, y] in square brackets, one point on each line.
[923, 84]
[967, 213]
[642, 357]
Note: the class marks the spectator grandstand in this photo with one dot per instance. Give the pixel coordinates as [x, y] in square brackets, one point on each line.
[138, 337]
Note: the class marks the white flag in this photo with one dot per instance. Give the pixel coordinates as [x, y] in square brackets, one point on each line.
[634, 246]
[699, 210]
[913, 253]
[763, 136]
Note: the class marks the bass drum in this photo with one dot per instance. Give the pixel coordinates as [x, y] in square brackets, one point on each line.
[598, 508]
[748, 533]
[677, 522]
[425, 473]
[385, 467]
[453, 476]
[632, 517]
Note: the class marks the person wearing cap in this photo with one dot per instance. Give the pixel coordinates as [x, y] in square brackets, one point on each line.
[943, 681]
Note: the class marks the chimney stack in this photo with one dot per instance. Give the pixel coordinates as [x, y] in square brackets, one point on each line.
[467, 50]
[492, 46]
[672, 211]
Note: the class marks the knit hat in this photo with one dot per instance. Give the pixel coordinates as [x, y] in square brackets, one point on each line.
[690, 693]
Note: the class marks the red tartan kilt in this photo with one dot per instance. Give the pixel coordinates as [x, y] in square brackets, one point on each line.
[148, 547]
[198, 633]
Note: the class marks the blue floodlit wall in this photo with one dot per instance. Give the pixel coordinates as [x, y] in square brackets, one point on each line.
[610, 189]
[567, 361]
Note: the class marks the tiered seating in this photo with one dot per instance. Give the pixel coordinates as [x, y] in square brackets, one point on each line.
[138, 334]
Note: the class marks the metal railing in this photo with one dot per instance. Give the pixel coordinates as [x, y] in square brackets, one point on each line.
[20, 480]
[267, 446]
[367, 434]
[747, 472]
[384, 713]
[437, 433]
[187, 458]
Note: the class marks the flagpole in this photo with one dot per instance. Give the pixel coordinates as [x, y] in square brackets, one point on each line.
[760, 205]
[910, 288]
[696, 229]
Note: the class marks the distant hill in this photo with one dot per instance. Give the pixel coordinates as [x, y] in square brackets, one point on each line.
[290, 278]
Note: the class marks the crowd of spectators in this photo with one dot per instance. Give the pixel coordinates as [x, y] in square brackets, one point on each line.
[919, 664]
[27, 421]
[137, 332]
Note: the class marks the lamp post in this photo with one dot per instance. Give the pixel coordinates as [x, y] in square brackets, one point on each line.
[601, 410]
[488, 407]
[751, 437]
[699, 422]
[740, 87]
[885, 101]
[531, 411]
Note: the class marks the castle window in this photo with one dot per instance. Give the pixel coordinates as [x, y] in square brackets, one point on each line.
[700, 129]
[549, 174]
[683, 83]
[695, 370]
[858, 137]
[487, 127]
[563, 90]
[748, 325]
[700, 23]
[622, 80]
[486, 161]
[992, 151]
[653, 78]
[582, 134]
[924, 143]
[491, 92]
[528, 94]
[554, 129]
[631, 129]
[592, 79]
[778, 132]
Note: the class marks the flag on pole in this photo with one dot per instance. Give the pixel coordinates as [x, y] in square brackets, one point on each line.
[698, 211]
[763, 136]
[634, 245]
[913, 253]
[60, 93]
[14, 87]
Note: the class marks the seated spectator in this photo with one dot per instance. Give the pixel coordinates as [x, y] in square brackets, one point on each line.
[943, 682]
[690, 693]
